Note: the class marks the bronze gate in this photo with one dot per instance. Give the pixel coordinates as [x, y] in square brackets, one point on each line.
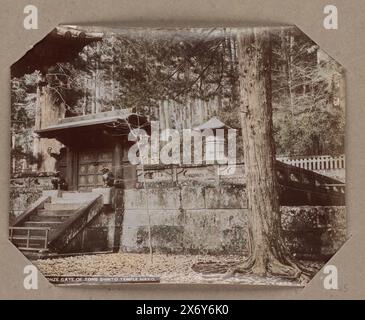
[89, 168]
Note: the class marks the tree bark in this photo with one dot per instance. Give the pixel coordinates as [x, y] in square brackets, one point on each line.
[267, 251]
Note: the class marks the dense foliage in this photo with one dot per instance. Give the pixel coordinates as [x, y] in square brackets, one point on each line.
[137, 69]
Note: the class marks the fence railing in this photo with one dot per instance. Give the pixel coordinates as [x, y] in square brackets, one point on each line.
[287, 174]
[26, 238]
[316, 162]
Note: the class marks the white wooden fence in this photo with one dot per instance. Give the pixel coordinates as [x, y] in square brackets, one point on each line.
[324, 163]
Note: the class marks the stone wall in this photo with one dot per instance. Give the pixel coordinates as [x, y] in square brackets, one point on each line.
[101, 233]
[199, 219]
[191, 218]
[313, 230]
[213, 219]
[97, 236]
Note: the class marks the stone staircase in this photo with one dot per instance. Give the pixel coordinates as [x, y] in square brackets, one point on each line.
[35, 230]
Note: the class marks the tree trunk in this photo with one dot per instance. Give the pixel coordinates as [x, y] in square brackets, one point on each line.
[267, 252]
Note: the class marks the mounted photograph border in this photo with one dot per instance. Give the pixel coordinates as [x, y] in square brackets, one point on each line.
[344, 45]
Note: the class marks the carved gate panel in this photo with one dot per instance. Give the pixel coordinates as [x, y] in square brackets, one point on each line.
[91, 162]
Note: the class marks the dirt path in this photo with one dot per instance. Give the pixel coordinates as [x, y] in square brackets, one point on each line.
[170, 268]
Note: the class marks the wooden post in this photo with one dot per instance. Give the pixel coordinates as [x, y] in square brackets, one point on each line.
[128, 171]
[72, 170]
[46, 239]
[59, 193]
[118, 204]
[117, 160]
[118, 220]
[28, 238]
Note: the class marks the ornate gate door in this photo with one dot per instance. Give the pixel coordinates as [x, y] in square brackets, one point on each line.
[91, 162]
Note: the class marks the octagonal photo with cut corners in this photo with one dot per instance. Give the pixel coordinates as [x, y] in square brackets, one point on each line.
[190, 155]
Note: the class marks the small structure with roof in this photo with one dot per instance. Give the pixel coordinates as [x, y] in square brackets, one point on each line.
[215, 132]
[94, 142]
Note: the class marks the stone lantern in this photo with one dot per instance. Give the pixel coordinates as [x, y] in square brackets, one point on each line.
[215, 133]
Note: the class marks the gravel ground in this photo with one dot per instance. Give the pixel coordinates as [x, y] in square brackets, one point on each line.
[170, 268]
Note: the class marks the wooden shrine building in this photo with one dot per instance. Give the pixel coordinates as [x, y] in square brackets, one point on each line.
[93, 142]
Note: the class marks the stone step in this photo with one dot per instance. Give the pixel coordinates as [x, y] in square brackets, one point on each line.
[55, 213]
[50, 217]
[62, 206]
[42, 224]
